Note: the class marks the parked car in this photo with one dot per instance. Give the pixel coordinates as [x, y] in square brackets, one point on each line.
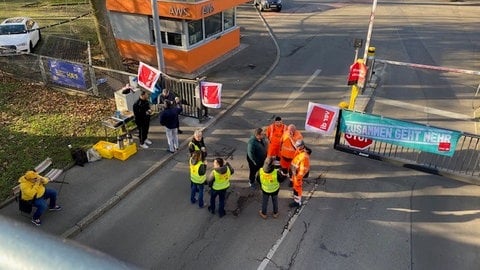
[19, 34]
[268, 4]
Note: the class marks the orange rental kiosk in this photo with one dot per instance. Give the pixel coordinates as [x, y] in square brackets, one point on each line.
[194, 33]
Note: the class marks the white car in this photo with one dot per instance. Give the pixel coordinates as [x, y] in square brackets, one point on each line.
[19, 34]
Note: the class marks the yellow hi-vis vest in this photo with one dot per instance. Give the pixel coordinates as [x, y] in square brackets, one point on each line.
[269, 181]
[222, 181]
[195, 147]
[194, 176]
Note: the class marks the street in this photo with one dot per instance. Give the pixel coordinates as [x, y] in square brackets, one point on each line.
[358, 213]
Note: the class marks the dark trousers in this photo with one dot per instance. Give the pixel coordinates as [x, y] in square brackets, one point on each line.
[143, 131]
[41, 203]
[221, 201]
[196, 188]
[253, 170]
[265, 198]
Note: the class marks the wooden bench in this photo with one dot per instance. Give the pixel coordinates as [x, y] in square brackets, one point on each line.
[52, 174]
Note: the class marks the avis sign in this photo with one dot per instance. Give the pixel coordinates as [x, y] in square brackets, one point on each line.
[357, 141]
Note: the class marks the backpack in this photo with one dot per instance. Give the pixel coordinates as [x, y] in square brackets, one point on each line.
[79, 156]
[23, 205]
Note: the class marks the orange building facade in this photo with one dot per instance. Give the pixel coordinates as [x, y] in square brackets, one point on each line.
[194, 33]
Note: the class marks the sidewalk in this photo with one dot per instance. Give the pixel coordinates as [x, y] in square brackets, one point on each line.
[91, 190]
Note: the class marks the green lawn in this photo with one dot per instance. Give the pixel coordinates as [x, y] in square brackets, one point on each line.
[37, 122]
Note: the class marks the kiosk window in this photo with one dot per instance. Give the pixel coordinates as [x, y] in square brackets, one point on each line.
[228, 18]
[213, 24]
[195, 32]
[171, 31]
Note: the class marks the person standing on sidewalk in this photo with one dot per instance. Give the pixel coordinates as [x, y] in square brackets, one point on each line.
[256, 154]
[268, 178]
[198, 176]
[288, 150]
[274, 135]
[32, 188]
[169, 119]
[142, 112]
[300, 168]
[219, 181]
[197, 144]
[170, 96]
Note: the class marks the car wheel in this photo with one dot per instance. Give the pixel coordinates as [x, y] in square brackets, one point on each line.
[39, 36]
[30, 47]
[279, 9]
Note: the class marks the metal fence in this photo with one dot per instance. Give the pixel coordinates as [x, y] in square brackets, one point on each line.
[95, 80]
[463, 165]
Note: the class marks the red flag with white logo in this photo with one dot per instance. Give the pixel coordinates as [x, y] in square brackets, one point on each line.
[147, 76]
[211, 94]
[321, 118]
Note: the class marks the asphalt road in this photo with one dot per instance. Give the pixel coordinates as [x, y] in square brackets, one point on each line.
[359, 213]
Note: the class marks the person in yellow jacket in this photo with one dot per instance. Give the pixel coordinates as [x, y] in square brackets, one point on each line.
[32, 188]
[300, 167]
[268, 178]
[198, 176]
[219, 181]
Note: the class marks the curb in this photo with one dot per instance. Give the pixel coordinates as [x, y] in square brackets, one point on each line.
[95, 214]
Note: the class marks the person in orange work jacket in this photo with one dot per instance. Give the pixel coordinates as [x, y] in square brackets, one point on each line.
[287, 150]
[274, 135]
[300, 167]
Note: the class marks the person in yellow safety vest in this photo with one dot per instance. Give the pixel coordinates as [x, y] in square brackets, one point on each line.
[268, 177]
[219, 181]
[300, 167]
[198, 176]
[197, 144]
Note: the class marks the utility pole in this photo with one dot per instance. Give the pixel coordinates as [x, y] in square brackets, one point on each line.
[370, 28]
[158, 36]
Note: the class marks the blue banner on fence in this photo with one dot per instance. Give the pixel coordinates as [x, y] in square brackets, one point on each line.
[397, 132]
[66, 73]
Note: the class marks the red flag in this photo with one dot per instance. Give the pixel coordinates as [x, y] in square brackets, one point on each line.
[211, 94]
[357, 74]
[321, 118]
[147, 76]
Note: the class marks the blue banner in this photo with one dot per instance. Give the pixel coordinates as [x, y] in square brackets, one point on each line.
[397, 132]
[66, 73]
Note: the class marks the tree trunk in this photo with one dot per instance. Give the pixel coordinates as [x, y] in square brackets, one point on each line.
[106, 39]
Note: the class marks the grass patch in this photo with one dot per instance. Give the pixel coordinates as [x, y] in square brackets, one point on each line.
[37, 122]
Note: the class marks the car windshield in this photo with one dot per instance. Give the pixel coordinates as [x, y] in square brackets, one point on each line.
[12, 29]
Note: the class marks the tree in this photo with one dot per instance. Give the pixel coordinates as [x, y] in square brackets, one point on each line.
[106, 39]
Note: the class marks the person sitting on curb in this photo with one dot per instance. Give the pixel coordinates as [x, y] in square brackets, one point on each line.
[32, 188]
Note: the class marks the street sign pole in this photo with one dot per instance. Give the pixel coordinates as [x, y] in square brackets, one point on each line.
[158, 36]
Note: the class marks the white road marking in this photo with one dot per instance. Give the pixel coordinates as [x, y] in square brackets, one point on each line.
[424, 109]
[295, 94]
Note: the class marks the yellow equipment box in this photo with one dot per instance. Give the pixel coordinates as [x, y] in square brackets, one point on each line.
[105, 149]
[126, 152]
